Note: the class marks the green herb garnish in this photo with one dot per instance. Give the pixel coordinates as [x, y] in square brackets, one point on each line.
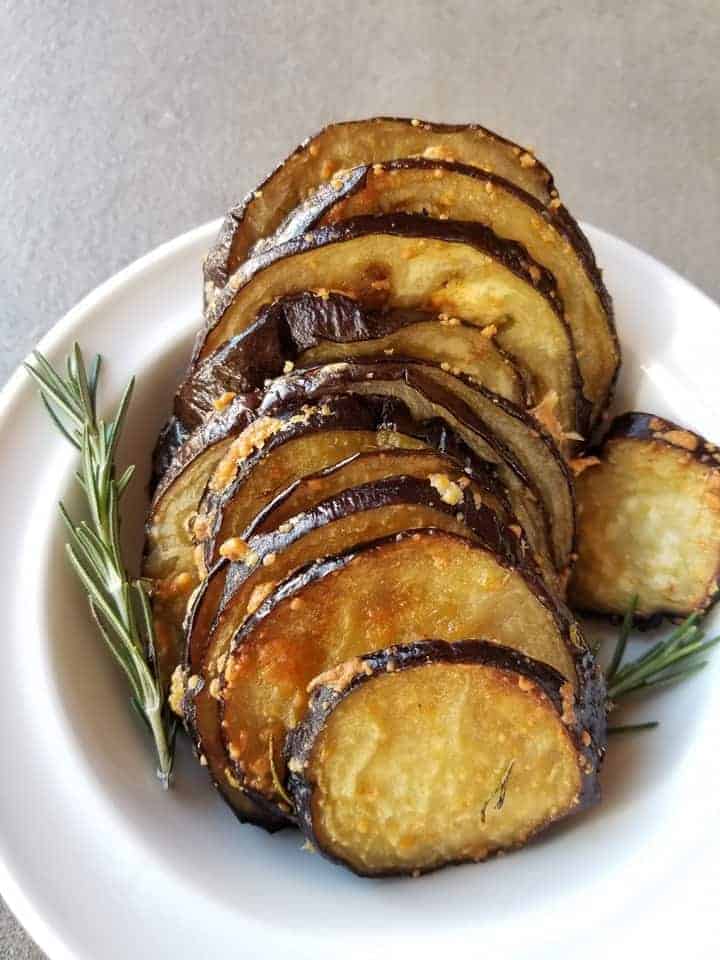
[681, 655]
[633, 727]
[119, 605]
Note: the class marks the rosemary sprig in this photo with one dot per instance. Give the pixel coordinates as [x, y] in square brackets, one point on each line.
[679, 656]
[119, 605]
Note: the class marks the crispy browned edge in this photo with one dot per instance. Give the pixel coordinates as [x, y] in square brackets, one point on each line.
[649, 427]
[590, 681]
[511, 255]
[455, 462]
[308, 215]
[587, 717]
[313, 382]
[220, 261]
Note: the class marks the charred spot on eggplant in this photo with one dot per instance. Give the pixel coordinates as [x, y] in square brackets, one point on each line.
[306, 328]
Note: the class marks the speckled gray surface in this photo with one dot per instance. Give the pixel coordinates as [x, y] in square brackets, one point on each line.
[125, 122]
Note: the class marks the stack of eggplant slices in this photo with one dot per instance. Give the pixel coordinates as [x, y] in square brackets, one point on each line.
[374, 497]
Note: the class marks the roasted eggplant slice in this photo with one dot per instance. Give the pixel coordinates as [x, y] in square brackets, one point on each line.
[414, 585]
[410, 262]
[424, 755]
[536, 477]
[306, 437]
[308, 328]
[234, 590]
[452, 191]
[344, 145]
[363, 468]
[649, 521]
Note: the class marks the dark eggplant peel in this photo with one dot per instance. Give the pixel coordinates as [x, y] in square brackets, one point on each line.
[415, 584]
[444, 190]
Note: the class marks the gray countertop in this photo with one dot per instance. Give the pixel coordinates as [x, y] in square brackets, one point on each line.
[125, 122]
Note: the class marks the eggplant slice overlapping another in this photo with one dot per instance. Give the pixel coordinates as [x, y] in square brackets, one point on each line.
[453, 191]
[235, 589]
[343, 145]
[231, 471]
[363, 521]
[473, 749]
[412, 585]
[307, 328]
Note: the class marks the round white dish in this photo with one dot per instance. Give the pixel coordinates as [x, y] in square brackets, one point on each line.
[97, 861]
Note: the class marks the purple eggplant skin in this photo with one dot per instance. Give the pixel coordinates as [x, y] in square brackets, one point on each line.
[511, 255]
[586, 726]
[590, 681]
[353, 412]
[649, 427]
[460, 460]
[281, 332]
[309, 215]
[226, 253]
[307, 385]
[177, 447]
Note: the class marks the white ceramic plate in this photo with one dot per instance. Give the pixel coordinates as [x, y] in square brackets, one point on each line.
[98, 862]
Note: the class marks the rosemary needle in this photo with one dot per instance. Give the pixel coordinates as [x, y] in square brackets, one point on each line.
[119, 606]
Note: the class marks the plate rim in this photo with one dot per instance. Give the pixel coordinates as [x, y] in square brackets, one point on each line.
[45, 933]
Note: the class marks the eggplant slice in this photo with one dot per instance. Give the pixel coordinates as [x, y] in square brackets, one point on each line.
[343, 145]
[424, 755]
[410, 262]
[363, 468]
[308, 328]
[537, 480]
[274, 451]
[453, 191]
[648, 521]
[411, 586]
[234, 590]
